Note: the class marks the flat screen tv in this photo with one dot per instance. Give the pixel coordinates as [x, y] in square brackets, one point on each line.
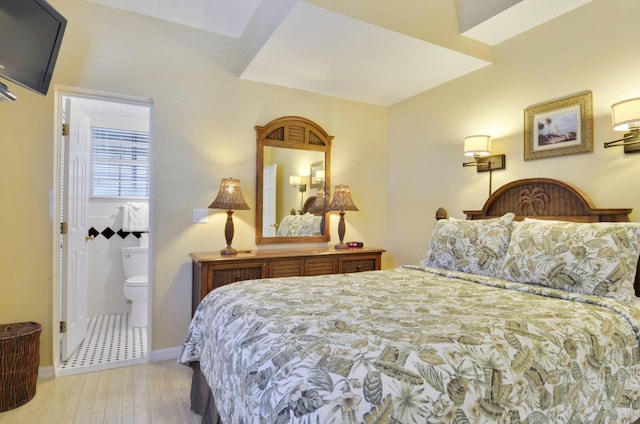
[30, 37]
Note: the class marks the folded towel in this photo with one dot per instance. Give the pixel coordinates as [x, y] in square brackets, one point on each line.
[135, 216]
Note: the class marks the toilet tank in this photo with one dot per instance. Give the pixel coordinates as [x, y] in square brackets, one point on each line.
[135, 260]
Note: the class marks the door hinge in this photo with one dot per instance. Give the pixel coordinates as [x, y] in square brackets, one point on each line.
[63, 228]
[65, 129]
[63, 326]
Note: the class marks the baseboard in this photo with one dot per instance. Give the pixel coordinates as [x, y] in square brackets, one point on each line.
[159, 355]
[170, 353]
[46, 373]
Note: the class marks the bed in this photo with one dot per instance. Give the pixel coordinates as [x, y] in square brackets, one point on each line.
[506, 319]
[305, 222]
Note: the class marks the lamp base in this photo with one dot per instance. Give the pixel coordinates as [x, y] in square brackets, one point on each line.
[228, 251]
[341, 246]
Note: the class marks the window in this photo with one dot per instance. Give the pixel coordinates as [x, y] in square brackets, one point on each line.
[119, 163]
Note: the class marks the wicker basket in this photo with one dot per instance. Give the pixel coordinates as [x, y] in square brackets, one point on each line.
[19, 360]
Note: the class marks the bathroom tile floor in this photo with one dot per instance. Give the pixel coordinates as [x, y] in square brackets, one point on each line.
[110, 342]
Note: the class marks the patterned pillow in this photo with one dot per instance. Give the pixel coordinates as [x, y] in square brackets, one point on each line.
[475, 246]
[590, 258]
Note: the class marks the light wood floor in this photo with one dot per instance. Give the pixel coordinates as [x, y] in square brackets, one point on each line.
[155, 393]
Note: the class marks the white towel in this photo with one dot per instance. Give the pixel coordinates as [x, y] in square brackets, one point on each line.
[135, 216]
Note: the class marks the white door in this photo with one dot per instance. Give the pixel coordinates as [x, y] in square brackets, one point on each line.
[76, 203]
[269, 201]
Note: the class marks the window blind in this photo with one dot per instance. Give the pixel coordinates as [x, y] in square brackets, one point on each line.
[119, 163]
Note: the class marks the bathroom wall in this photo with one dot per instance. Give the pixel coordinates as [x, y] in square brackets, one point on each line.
[106, 273]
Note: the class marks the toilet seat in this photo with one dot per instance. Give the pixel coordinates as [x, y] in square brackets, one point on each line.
[138, 280]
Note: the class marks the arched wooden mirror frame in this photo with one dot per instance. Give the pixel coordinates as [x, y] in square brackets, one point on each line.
[291, 132]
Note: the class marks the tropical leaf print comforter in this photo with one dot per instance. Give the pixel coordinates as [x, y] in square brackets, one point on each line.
[300, 225]
[415, 345]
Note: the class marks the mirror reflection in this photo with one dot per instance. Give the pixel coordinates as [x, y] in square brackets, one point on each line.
[291, 179]
[293, 167]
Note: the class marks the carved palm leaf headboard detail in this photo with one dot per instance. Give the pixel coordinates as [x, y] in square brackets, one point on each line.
[536, 200]
[545, 198]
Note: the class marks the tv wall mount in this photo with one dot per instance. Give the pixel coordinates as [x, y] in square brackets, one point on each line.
[5, 94]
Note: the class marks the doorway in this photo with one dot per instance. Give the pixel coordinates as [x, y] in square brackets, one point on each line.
[102, 165]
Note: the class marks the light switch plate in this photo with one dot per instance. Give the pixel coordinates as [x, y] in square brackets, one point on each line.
[200, 216]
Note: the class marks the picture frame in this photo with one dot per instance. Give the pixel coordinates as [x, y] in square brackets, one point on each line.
[316, 174]
[559, 127]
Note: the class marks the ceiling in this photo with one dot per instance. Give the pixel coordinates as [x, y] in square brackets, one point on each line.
[356, 50]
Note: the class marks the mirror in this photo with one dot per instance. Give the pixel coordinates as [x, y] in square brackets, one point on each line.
[292, 175]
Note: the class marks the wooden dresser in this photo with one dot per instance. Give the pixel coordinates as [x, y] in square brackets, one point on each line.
[212, 270]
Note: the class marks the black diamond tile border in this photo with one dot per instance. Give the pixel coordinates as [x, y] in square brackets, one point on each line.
[108, 233]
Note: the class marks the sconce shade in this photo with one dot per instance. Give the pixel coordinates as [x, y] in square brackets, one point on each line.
[342, 199]
[477, 145]
[230, 196]
[626, 114]
[294, 180]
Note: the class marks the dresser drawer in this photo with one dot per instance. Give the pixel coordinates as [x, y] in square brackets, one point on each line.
[296, 267]
[219, 276]
[208, 276]
[320, 266]
[359, 264]
[286, 268]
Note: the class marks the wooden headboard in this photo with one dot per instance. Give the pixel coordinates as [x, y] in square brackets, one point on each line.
[308, 205]
[546, 198]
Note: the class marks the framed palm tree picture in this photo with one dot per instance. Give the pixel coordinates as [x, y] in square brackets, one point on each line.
[559, 127]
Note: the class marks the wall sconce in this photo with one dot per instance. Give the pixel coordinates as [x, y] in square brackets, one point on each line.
[295, 180]
[479, 146]
[342, 202]
[230, 198]
[625, 116]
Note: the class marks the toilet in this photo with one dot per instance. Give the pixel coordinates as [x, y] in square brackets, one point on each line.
[135, 262]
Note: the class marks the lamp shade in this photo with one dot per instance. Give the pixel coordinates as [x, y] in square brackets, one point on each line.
[230, 196]
[320, 204]
[477, 145]
[342, 199]
[294, 180]
[626, 114]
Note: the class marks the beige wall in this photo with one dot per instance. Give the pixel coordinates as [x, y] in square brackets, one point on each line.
[593, 48]
[401, 162]
[203, 130]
